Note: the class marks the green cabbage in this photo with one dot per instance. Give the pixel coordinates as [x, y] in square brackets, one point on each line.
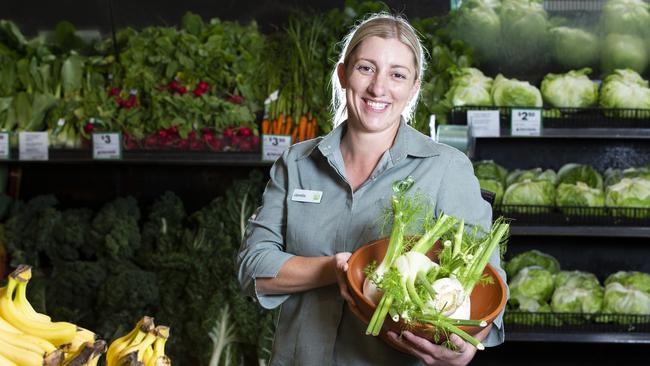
[519, 175]
[524, 26]
[528, 192]
[531, 287]
[531, 258]
[574, 48]
[515, 93]
[493, 186]
[624, 300]
[577, 292]
[573, 89]
[488, 169]
[622, 51]
[581, 195]
[629, 192]
[626, 16]
[631, 279]
[478, 24]
[613, 176]
[572, 173]
[470, 87]
[625, 89]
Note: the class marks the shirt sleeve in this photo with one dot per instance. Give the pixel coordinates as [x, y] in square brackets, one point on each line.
[460, 196]
[262, 251]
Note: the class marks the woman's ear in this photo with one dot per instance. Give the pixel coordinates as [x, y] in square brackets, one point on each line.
[343, 80]
[415, 88]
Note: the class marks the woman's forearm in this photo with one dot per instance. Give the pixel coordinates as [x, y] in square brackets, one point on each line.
[299, 274]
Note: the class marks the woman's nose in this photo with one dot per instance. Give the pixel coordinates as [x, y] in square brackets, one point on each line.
[377, 85]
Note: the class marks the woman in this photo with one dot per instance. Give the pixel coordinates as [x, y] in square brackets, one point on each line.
[326, 196]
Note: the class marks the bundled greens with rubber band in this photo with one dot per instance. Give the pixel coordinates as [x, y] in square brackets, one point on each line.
[409, 286]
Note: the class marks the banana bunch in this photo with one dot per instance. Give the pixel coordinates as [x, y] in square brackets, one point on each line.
[30, 338]
[87, 355]
[143, 346]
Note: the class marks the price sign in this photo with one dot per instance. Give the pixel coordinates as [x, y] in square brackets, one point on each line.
[274, 145]
[33, 146]
[5, 146]
[484, 123]
[107, 146]
[526, 122]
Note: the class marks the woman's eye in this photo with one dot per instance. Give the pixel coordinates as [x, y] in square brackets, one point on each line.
[399, 76]
[364, 69]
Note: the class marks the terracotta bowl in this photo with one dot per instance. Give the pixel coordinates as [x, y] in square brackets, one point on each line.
[487, 300]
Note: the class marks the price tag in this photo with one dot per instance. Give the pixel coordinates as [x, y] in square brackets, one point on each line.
[526, 122]
[33, 146]
[484, 123]
[107, 146]
[5, 146]
[274, 145]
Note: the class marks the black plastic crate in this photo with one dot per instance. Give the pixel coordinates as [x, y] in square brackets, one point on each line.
[567, 117]
[526, 321]
[531, 215]
[569, 6]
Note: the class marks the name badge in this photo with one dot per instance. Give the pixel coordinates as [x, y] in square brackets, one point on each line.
[305, 195]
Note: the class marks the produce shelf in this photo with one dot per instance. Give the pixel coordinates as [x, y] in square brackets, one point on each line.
[580, 231]
[573, 327]
[532, 215]
[567, 117]
[162, 157]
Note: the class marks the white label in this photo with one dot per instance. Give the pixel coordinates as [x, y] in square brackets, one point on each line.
[484, 123]
[274, 145]
[432, 127]
[526, 122]
[107, 146]
[4, 146]
[33, 146]
[273, 97]
[305, 195]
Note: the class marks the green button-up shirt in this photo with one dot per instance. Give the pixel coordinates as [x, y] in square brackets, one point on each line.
[315, 327]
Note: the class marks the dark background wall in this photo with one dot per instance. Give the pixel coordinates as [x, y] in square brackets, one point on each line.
[35, 15]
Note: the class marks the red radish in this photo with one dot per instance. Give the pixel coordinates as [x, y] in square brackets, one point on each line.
[173, 85]
[162, 134]
[244, 132]
[88, 128]
[255, 140]
[245, 146]
[114, 91]
[196, 145]
[181, 90]
[228, 132]
[235, 99]
[151, 141]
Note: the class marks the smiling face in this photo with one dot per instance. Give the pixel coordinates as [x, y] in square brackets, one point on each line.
[379, 80]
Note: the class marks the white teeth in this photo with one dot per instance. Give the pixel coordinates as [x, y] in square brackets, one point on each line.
[376, 105]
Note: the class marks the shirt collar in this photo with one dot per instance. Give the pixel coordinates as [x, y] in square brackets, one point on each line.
[408, 142]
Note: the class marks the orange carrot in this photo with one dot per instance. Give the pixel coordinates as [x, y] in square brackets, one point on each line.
[302, 127]
[294, 136]
[278, 125]
[289, 125]
[265, 126]
[314, 128]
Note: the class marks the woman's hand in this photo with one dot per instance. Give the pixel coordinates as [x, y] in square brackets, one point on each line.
[432, 354]
[341, 267]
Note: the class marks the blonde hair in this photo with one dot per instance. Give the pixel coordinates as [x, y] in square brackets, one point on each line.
[385, 26]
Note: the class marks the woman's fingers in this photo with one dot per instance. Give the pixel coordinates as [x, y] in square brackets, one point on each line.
[341, 264]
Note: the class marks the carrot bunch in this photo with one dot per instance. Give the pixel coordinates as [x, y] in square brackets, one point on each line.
[305, 129]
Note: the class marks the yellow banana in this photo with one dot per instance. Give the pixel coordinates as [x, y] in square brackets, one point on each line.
[139, 348]
[144, 326]
[4, 325]
[148, 356]
[87, 353]
[82, 336]
[23, 274]
[27, 342]
[19, 355]
[162, 334]
[6, 362]
[57, 333]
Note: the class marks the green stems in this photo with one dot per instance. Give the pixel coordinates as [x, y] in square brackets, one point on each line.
[483, 256]
[427, 241]
[378, 317]
[446, 325]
